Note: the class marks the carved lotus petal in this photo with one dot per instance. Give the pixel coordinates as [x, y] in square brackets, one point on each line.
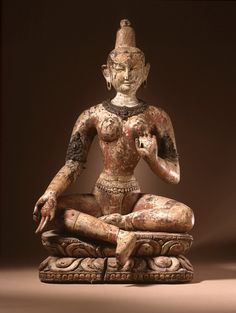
[185, 263]
[148, 248]
[167, 246]
[81, 250]
[64, 262]
[164, 264]
[98, 264]
[177, 248]
[90, 264]
[162, 261]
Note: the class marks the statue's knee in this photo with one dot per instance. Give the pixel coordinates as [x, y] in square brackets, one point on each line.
[187, 218]
[66, 219]
[182, 217]
[70, 214]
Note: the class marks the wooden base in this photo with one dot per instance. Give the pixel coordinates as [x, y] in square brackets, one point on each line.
[149, 244]
[161, 269]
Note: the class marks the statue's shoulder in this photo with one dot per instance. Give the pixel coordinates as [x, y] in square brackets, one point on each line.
[91, 111]
[156, 110]
[95, 109]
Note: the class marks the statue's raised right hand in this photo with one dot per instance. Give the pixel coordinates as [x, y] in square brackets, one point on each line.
[45, 209]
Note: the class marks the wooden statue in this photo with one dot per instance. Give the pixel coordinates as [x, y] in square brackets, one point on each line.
[117, 233]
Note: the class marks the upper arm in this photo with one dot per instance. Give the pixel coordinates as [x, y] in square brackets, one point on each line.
[82, 137]
[165, 137]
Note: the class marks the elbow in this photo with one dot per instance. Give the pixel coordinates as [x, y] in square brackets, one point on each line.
[171, 178]
[174, 177]
[174, 174]
[169, 172]
[175, 180]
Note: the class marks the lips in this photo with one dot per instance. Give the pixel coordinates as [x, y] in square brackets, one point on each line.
[127, 83]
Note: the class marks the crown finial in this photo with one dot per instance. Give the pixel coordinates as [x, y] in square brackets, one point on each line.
[125, 36]
[124, 22]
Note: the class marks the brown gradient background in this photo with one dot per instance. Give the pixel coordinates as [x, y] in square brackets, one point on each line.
[51, 57]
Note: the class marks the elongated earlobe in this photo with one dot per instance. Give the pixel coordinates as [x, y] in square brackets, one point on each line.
[105, 71]
[108, 85]
[106, 74]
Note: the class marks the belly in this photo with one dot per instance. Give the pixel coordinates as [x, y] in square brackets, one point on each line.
[119, 158]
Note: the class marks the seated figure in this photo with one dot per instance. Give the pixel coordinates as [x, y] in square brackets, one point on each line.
[128, 129]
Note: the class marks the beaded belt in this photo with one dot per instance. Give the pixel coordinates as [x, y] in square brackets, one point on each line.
[116, 187]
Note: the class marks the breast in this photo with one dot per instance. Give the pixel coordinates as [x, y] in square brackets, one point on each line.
[110, 129]
[137, 126]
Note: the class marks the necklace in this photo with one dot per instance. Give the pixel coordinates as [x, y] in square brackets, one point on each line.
[123, 111]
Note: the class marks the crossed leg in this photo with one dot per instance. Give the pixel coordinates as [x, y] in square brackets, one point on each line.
[155, 213]
[81, 214]
[78, 214]
[85, 203]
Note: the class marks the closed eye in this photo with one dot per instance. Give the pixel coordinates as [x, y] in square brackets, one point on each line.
[119, 68]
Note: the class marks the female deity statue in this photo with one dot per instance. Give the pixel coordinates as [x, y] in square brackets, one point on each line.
[128, 129]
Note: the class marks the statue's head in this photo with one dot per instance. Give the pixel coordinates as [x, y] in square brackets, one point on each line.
[125, 69]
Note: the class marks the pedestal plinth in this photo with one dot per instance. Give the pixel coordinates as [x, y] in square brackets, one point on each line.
[160, 269]
[157, 258]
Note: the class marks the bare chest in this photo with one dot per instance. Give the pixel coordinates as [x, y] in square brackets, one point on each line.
[111, 128]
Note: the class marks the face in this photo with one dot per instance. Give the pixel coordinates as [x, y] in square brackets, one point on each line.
[126, 72]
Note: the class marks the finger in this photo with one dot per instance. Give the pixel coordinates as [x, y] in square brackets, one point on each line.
[35, 209]
[35, 217]
[38, 204]
[42, 224]
[36, 213]
[52, 214]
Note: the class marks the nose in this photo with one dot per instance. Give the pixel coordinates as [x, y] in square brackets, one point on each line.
[127, 73]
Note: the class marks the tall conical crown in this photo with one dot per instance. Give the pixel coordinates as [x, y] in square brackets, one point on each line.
[125, 36]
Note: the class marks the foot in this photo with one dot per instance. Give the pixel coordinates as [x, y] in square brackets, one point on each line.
[125, 246]
[114, 219]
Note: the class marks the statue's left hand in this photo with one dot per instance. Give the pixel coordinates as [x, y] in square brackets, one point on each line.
[147, 146]
[44, 210]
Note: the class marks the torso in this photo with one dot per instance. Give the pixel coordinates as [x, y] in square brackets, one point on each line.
[117, 138]
[116, 190]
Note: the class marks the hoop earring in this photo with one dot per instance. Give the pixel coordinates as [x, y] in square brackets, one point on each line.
[145, 83]
[108, 85]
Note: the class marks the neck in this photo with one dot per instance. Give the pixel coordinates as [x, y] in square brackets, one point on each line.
[125, 100]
